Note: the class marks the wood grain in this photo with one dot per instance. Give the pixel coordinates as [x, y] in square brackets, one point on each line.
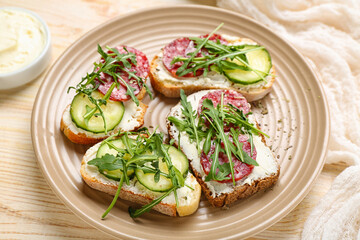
[28, 207]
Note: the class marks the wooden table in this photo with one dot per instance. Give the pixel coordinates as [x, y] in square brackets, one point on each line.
[28, 207]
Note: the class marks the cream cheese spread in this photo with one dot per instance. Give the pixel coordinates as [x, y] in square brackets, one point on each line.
[22, 39]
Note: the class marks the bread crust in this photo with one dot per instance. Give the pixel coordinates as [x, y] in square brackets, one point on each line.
[242, 191]
[82, 138]
[141, 94]
[167, 209]
[172, 89]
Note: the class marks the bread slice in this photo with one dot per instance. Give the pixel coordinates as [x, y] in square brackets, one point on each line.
[135, 192]
[223, 194]
[132, 120]
[168, 85]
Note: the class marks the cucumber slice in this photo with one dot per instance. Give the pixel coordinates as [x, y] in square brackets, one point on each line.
[113, 112]
[106, 149]
[116, 174]
[258, 60]
[178, 159]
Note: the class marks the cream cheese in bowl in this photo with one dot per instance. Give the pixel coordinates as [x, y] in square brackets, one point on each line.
[24, 46]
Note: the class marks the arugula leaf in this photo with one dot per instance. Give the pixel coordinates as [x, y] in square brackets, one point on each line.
[216, 60]
[107, 162]
[180, 124]
[214, 164]
[241, 154]
[180, 180]
[129, 89]
[233, 66]
[141, 159]
[126, 142]
[180, 72]
[134, 213]
[188, 112]
[102, 53]
[237, 117]
[157, 176]
[87, 114]
[224, 170]
[210, 111]
[248, 160]
[115, 197]
[251, 141]
[207, 142]
[110, 162]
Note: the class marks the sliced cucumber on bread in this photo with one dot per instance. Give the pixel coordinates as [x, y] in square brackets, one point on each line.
[103, 167]
[259, 62]
[147, 179]
[163, 183]
[108, 99]
[116, 146]
[113, 112]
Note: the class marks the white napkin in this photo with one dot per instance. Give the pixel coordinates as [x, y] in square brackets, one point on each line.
[328, 34]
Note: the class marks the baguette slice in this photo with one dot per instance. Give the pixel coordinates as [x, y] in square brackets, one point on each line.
[132, 120]
[135, 192]
[168, 85]
[223, 194]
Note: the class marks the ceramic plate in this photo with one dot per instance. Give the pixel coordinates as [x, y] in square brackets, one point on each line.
[294, 114]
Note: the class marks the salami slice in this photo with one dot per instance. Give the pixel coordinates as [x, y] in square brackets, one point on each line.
[215, 37]
[230, 97]
[181, 47]
[141, 69]
[178, 48]
[241, 169]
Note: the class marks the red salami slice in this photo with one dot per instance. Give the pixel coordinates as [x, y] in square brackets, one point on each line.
[178, 48]
[241, 169]
[181, 47]
[230, 97]
[141, 69]
[216, 37]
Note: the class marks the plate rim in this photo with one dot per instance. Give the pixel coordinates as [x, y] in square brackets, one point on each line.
[98, 225]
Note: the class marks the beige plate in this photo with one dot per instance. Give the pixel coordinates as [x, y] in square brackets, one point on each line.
[297, 121]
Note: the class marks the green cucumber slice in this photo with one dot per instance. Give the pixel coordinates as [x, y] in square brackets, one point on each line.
[106, 149]
[116, 174]
[178, 159]
[117, 143]
[113, 112]
[258, 60]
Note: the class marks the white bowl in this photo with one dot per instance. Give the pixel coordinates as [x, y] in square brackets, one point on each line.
[32, 70]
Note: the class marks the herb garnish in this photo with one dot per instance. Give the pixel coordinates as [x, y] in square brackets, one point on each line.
[112, 64]
[213, 132]
[188, 124]
[214, 114]
[219, 57]
[142, 150]
[180, 71]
